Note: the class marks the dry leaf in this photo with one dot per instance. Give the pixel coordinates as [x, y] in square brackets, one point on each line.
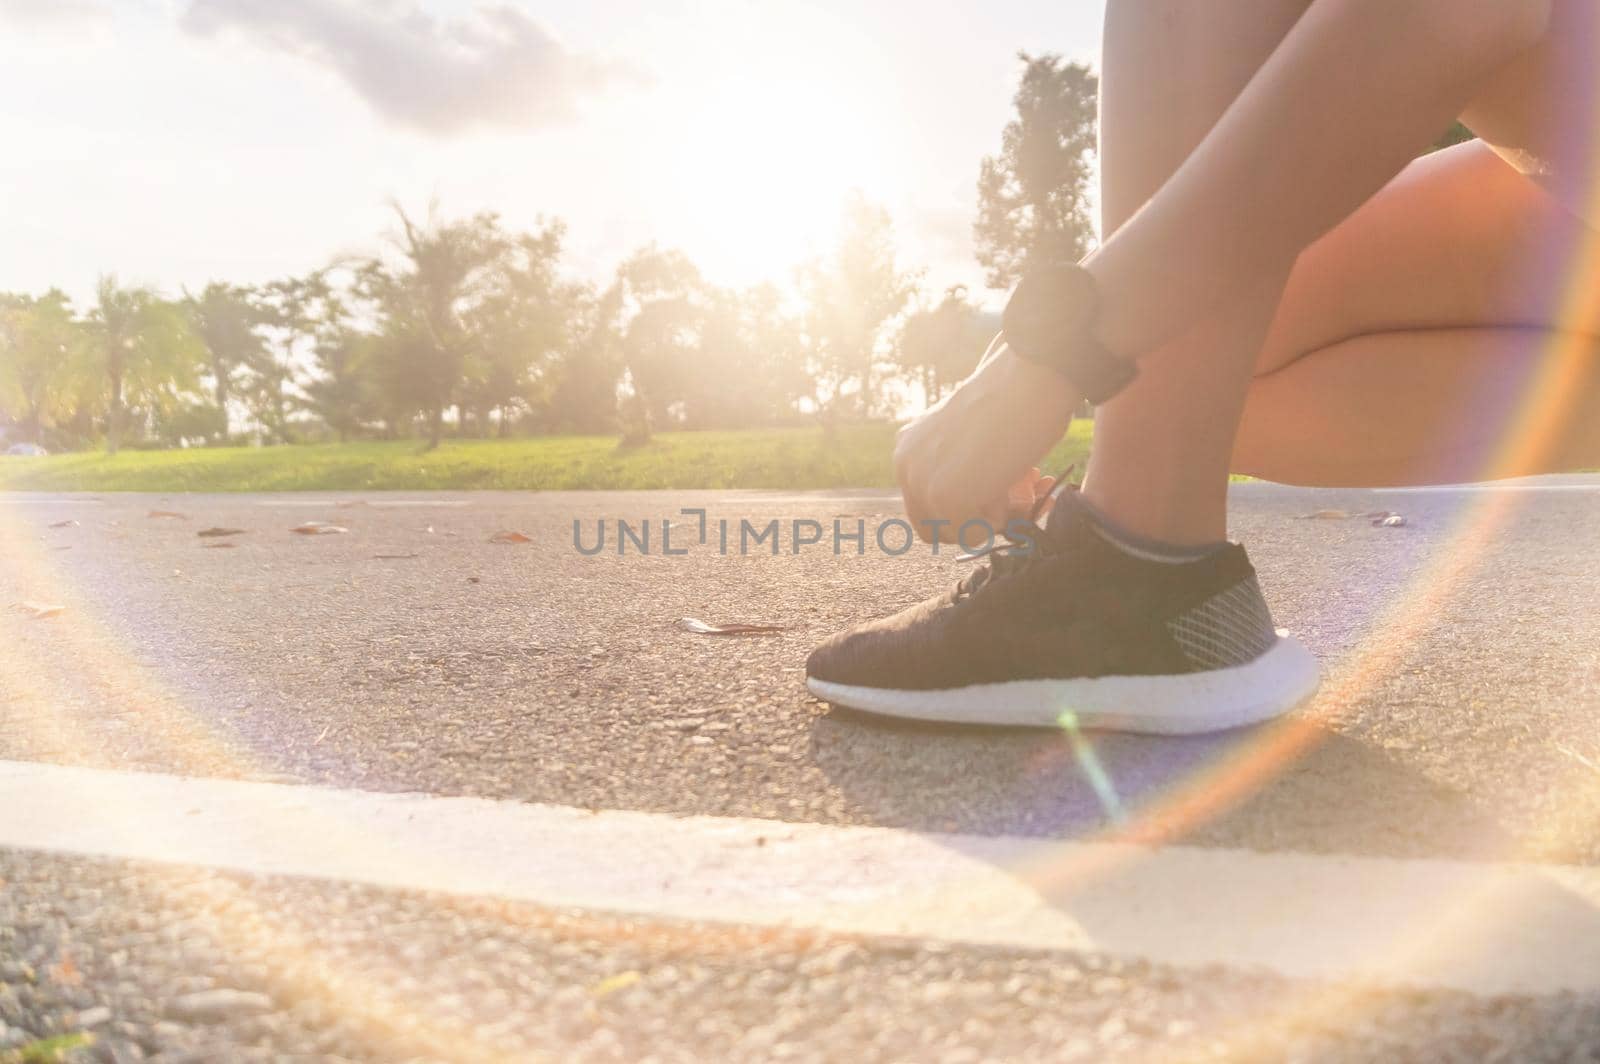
[217, 533]
[175, 515]
[318, 528]
[510, 537]
[395, 557]
[218, 546]
[65, 524]
[612, 983]
[474, 579]
[1326, 515]
[1389, 521]
[699, 627]
[39, 610]
[65, 972]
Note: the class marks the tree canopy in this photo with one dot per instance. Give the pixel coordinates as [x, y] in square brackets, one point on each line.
[1033, 197]
[466, 325]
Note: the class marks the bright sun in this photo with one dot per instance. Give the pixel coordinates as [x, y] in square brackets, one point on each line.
[760, 171]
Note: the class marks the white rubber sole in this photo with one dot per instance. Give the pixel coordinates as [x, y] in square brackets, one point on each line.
[1277, 682]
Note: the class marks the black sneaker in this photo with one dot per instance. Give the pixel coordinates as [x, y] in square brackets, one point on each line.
[1075, 629]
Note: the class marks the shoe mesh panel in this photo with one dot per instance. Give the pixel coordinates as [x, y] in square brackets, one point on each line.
[1228, 629]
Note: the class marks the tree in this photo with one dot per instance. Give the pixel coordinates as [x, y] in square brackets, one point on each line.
[41, 359]
[144, 351]
[657, 307]
[342, 392]
[521, 321]
[446, 269]
[1033, 196]
[852, 296]
[751, 368]
[941, 345]
[227, 319]
[585, 375]
[296, 311]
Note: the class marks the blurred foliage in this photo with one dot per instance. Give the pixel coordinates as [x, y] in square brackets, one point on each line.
[1456, 134]
[1033, 197]
[465, 327]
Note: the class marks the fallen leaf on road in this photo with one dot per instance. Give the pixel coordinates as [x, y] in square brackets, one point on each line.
[65, 972]
[474, 579]
[218, 546]
[39, 610]
[510, 537]
[65, 524]
[352, 502]
[173, 514]
[217, 533]
[395, 557]
[318, 528]
[699, 627]
[1379, 518]
[612, 983]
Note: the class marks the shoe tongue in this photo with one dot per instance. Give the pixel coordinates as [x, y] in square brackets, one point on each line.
[1069, 521]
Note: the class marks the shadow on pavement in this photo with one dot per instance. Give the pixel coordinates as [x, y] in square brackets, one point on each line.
[1339, 795]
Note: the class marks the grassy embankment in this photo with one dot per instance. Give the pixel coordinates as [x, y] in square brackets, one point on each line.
[782, 459]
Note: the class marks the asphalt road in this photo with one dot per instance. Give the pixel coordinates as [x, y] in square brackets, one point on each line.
[1460, 719]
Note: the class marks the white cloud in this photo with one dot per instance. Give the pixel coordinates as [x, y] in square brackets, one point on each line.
[499, 67]
[51, 12]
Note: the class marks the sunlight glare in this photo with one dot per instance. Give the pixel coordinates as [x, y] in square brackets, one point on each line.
[758, 178]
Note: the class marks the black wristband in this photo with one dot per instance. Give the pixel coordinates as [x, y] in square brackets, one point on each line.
[1050, 319]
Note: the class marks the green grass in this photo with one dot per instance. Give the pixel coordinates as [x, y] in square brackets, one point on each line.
[48, 1050]
[785, 459]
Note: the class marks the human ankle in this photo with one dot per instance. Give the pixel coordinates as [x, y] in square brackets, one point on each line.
[1172, 513]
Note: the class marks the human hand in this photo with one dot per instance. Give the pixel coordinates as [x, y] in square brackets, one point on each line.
[969, 457]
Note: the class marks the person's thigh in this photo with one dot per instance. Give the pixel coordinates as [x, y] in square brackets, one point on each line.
[1427, 406]
[1459, 240]
[1542, 112]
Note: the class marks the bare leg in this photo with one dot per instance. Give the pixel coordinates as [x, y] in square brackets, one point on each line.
[1417, 342]
[1458, 241]
[1353, 93]
[1424, 407]
[1170, 69]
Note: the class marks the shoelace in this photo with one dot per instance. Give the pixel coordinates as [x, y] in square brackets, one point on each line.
[1022, 546]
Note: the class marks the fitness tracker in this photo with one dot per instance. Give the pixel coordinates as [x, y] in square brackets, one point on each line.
[1049, 321]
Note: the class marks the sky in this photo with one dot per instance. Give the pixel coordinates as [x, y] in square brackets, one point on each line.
[173, 142]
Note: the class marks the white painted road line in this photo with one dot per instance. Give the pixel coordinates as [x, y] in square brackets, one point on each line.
[1487, 929]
